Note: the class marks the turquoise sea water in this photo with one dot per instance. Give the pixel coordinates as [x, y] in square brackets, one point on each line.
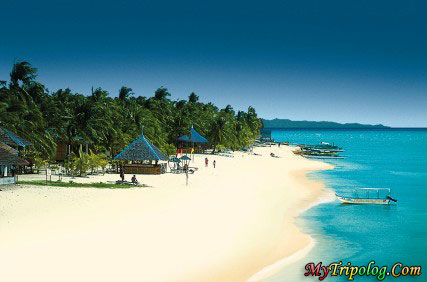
[394, 159]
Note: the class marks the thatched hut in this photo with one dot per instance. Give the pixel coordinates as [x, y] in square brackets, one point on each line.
[192, 141]
[9, 162]
[140, 155]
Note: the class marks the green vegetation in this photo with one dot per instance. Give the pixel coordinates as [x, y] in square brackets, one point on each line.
[39, 163]
[286, 123]
[77, 185]
[108, 124]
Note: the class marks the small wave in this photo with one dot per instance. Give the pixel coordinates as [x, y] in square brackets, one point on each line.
[409, 173]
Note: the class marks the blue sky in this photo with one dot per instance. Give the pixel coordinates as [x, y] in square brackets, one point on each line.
[345, 61]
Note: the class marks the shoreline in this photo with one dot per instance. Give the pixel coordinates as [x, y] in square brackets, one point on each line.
[229, 224]
[275, 267]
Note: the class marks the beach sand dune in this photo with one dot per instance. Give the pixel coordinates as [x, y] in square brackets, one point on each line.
[227, 224]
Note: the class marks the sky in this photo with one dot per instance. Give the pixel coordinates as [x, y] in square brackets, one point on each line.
[344, 61]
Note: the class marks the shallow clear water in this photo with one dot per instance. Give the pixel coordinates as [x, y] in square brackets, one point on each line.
[394, 159]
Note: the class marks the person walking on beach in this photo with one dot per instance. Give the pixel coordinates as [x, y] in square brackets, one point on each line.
[214, 163]
[206, 162]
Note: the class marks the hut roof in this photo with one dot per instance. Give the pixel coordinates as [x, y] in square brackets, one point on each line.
[195, 137]
[12, 139]
[141, 150]
[185, 158]
[9, 156]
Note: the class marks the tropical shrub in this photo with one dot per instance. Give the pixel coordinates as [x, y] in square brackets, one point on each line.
[81, 163]
[168, 149]
[39, 163]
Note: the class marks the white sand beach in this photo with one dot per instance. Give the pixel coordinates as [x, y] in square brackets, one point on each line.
[229, 223]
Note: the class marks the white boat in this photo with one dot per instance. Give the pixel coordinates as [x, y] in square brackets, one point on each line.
[368, 196]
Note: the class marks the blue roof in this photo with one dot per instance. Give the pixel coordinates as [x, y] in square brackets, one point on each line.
[174, 159]
[12, 139]
[195, 137]
[185, 158]
[141, 150]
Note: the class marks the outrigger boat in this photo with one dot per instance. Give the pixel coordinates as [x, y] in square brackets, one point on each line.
[323, 156]
[368, 196]
[318, 154]
[323, 146]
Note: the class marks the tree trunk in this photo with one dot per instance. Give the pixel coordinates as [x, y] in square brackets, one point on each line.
[214, 148]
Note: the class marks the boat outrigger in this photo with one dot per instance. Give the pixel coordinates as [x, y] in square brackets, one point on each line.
[368, 196]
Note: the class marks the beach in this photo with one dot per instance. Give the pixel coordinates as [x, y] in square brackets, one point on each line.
[230, 223]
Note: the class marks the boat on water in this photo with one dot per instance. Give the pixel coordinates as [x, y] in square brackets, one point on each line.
[323, 146]
[323, 156]
[318, 154]
[322, 151]
[379, 196]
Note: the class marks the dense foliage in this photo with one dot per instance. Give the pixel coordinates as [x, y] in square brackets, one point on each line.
[110, 123]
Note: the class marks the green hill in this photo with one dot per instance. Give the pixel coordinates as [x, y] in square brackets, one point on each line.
[287, 123]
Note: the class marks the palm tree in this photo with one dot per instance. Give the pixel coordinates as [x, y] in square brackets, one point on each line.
[218, 131]
[193, 98]
[161, 93]
[22, 71]
[125, 93]
[27, 108]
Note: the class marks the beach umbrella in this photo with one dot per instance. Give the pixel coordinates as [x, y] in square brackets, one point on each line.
[174, 160]
[185, 159]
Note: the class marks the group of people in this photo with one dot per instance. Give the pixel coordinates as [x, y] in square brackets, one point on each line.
[207, 163]
[133, 179]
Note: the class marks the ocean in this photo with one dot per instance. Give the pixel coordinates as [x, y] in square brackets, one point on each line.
[387, 234]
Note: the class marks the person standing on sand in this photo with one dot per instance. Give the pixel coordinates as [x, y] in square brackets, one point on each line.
[206, 162]
[214, 163]
[122, 174]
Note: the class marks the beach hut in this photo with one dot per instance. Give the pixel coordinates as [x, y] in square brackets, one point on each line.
[9, 161]
[141, 154]
[188, 142]
[12, 140]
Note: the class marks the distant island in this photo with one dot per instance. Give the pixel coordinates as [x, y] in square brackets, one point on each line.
[287, 123]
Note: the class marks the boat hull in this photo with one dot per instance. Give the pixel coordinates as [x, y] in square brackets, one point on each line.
[348, 200]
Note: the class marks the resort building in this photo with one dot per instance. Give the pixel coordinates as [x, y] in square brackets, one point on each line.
[12, 140]
[10, 144]
[194, 142]
[9, 162]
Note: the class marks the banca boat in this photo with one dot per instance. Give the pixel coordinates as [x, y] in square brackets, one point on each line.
[379, 196]
[323, 146]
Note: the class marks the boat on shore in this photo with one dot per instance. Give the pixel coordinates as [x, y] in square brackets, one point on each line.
[378, 196]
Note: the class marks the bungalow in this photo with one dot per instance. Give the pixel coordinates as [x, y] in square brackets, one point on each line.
[10, 144]
[9, 161]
